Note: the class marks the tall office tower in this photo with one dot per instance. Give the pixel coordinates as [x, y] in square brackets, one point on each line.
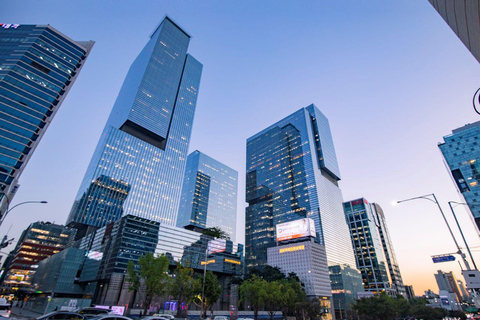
[38, 66]
[38, 242]
[463, 16]
[138, 165]
[209, 195]
[393, 267]
[461, 152]
[373, 247]
[292, 173]
[446, 281]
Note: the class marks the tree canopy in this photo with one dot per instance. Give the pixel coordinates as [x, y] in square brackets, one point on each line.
[151, 274]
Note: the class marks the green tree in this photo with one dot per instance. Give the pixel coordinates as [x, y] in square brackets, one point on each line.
[402, 306]
[273, 297]
[184, 287]
[212, 292]
[150, 274]
[292, 293]
[427, 313]
[253, 292]
[216, 232]
[379, 307]
[308, 309]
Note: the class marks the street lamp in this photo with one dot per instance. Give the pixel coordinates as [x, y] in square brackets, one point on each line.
[461, 232]
[434, 200]
[18, 204]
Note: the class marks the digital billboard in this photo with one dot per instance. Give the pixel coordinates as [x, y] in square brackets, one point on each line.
[217, 245]
[296, 229]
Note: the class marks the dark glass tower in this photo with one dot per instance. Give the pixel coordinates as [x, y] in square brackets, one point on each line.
[38, 66]
[292, 173]
[209, 195]
[364, 224]
[141, 156]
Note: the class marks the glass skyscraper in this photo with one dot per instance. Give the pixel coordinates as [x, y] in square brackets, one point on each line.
[38, 66]
[209, 195]
[138, 165]
[292, 173]
[461, 152]
[373, 248]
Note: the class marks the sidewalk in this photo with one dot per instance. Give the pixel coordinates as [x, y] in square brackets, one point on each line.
[20, 313]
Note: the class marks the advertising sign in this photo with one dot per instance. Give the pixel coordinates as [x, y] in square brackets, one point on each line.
[217, 245]
[296, 229]
[118, 310]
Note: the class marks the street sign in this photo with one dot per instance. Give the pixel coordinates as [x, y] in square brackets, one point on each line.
[443, 258]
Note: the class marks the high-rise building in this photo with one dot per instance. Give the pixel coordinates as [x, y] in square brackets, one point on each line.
[461, 152]
[38, 242]
[373, 247]
[292, 173]
[209, 195]
[410, 292]
[138, 165]
[38, 66]
[463, 16]
[446, 281]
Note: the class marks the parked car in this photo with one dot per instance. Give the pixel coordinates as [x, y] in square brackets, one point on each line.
[164, 315]
[221, 318]
[95, 311]
[155, 318]
[62, 315]
[110, 317]
[5, 308]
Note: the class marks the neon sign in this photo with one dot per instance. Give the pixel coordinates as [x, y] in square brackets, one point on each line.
[9, 25]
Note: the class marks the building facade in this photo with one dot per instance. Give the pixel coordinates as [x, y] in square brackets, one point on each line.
[38, 67]
[100, 274]
[209, 195]
[367, 245]
[292, 173]
[446, 281]
[38, 242]
[138, 165]
[373, 247]
[461, 153]
[463, 16]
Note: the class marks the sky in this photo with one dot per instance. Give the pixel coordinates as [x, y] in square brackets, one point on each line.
[391, 76]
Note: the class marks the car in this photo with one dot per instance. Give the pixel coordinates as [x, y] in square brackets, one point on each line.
[110, 317]
[154, 318]
[221, 318]
[5, 309]
[95, 311]
[62, 315]
[164, 315]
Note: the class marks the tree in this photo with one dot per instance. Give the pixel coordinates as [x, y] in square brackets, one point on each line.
[273, 297]
[184, 287]
[427, 313]
[309, 309]
[150, 274]
[212, 293]
[292, 293]
[381, 307]
[216, 232]
[253, 292]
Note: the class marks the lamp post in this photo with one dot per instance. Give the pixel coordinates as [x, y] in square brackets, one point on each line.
[18, 204]
[461, 232]
[434, 200]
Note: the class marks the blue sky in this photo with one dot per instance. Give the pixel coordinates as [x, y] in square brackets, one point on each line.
[391, 76]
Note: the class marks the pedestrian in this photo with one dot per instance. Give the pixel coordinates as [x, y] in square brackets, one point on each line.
[56, 308]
